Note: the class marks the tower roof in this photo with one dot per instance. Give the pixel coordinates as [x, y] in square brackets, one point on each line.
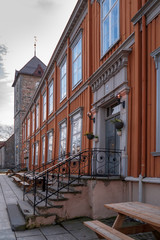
[35, 67]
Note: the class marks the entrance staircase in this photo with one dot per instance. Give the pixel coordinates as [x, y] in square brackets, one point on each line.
[57, 192]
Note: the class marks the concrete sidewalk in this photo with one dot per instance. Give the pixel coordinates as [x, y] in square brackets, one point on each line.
[68, 230]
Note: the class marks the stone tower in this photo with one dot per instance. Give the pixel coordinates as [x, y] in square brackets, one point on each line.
[25, 83]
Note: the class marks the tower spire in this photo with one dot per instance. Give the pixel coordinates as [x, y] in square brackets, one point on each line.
[35, 41]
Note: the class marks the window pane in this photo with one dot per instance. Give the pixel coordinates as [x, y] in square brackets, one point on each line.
[106, 35]
[114, 24]
[50, 97]
[63, 81]
[105, 7]
[63, 137]
[76, 133]
[112, 2]
[50, 141]
[110, 23]
[77, 63]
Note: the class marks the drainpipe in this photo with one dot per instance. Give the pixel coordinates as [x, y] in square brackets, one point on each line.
[144, 98]
[140, 189]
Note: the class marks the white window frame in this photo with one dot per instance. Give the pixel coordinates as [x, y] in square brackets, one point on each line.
[43, 148]
[77, 40]
[28, 127]
[76, 116]
[44, 106]
[156, 55]
[62, 126]
[25, 130]
[33, 120]
[50, 144]
[50, 110]
[36, 153]
[103, 18]
[63, 80]
[33, 154]
[37, 116]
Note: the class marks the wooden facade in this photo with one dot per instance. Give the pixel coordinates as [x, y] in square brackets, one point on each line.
[139, 37]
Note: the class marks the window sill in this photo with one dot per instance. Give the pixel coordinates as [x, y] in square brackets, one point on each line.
[63, 99]
[109, 49]
[76, 85]
[155, 154]
[50, 113]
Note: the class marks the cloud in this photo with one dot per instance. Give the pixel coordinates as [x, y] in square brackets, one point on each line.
[45, 4]
[3, 52]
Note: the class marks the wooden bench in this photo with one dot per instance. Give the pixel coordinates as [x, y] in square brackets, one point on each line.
[16, 179]
[24, 183]
[105, 231]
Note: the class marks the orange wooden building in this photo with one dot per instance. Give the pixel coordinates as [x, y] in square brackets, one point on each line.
[105, 67]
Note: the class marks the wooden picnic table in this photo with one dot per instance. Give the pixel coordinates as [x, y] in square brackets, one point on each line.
[147, 213]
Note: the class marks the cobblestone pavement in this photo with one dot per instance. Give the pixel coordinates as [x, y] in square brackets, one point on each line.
[68, 230]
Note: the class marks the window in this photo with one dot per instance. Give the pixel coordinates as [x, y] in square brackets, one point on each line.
[28, 129]
[33, 154]
[63, 80]
[156, 55]
[44, 106]
[77, 61]
[25, 130]
[33, 119]
[76, 133]
[43, 149]
[50, 143]
[37, 116]
[51, 97]
[36, 156]
[63, 137]
[109, 24]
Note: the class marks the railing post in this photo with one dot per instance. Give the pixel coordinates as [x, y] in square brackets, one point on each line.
[24, 188]
[58, 181]
[47, 188]
[69, 173]
[44, 184]
[79, 170]
[34, 195]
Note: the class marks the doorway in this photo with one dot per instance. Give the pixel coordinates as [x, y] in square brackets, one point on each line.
[112, 143]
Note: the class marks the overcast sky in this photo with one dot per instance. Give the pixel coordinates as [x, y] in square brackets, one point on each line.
[20, 21]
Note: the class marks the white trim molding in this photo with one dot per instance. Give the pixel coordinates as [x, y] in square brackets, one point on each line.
[151, 10]
[112, 65]
[156, 55]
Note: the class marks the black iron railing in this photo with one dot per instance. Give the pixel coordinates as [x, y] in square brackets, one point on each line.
[29, 175]
[18, 167]
[92, 162]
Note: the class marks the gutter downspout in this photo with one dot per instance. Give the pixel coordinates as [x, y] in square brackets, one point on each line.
[144, 105]
[140, 190]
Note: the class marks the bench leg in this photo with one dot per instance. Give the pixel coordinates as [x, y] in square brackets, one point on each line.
[119, 221]
[99, 236]
[156, 234]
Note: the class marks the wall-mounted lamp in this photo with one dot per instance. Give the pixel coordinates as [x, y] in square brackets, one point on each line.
[89, 114]
[119, 100]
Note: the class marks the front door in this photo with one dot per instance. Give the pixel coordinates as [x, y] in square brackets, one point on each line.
[112, 142]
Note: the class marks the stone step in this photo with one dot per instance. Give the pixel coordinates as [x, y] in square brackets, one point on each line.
[26, 208]
[16, 218]
[37, 219]
[64, 190]
[41, 205]
[75, 183]
[53, 197]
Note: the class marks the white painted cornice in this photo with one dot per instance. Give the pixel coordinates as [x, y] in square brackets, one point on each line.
[155, 55]
[151, 9]
[112, 65]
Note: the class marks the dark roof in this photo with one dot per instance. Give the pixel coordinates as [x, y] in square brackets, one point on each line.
[35, 67]
[2, 144]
